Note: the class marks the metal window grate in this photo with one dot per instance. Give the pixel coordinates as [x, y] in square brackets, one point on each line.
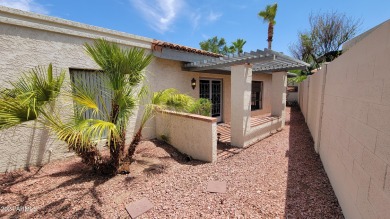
[95, 82]
[257, 95]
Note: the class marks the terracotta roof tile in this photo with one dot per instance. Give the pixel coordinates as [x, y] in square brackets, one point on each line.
[157, 45]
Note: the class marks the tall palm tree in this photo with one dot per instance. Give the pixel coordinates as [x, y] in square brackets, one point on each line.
[269, 15]
[238, 45]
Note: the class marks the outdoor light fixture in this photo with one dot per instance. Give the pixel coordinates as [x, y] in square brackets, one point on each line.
[193, 83]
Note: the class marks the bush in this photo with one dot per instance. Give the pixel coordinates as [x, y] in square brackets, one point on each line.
[201, 107]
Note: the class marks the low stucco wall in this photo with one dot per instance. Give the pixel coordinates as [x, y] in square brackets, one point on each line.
[193, 135]
[262, 131]
[354, 130]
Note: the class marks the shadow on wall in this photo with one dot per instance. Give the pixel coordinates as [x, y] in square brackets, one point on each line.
[43, 139]
[309, 193]
[33, 146]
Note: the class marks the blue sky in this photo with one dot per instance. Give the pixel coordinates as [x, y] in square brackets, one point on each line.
[188, 22]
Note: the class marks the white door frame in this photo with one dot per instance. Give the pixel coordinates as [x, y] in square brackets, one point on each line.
[219, 118]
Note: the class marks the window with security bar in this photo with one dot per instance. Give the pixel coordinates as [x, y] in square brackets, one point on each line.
[94, 83]
[257, 95]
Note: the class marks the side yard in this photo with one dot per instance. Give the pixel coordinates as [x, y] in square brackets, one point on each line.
[281, 176]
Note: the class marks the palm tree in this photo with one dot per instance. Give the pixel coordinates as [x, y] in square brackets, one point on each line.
[124, 70]
[238, 45]
[29, 96]
[269, 15]
[33, 97]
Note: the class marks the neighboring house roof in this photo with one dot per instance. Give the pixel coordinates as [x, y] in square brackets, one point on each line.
[157, 45]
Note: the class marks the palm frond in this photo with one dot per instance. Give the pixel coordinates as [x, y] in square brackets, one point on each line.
[28, 95]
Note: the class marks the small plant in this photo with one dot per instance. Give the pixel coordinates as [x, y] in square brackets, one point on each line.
[165, 138]
[201, 107]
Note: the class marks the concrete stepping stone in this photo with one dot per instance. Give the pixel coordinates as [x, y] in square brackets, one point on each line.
[139, 207]
[216, 187]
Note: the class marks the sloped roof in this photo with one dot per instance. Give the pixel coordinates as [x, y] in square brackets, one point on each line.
[157, 45]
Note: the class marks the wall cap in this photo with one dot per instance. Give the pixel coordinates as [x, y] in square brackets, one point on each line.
[190, 116]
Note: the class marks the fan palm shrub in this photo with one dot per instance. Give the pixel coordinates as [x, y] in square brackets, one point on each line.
[33, 96]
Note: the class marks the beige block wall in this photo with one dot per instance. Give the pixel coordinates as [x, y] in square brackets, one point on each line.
[355, 134]
[292, 96]
[193, 135]
[303, 96]
[314, 109]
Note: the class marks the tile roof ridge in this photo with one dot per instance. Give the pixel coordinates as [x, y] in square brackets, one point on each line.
[157, 45]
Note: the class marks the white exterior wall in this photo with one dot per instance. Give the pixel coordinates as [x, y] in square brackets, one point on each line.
[355, 133]
[193, 135]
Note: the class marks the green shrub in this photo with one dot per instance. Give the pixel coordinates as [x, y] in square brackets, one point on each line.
[201, 107]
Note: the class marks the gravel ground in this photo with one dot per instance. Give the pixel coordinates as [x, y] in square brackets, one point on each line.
[279, 177]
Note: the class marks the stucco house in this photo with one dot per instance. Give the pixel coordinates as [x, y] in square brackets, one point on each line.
[240, 86]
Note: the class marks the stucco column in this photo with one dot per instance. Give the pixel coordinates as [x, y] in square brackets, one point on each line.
[241, 88]
[278, 100]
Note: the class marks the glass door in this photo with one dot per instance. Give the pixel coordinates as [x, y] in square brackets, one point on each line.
[212, 89]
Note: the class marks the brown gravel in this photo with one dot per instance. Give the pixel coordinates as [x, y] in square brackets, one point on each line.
[279, 177]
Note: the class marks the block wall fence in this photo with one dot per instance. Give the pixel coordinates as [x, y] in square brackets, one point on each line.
[347, 108]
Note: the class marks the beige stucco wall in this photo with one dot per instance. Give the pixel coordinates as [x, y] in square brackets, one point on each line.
[28, 40]
[226, 83]
[193, 135]
[355, 131]
[226, 80]
[267, 91]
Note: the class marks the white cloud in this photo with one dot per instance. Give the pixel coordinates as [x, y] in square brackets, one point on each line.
[160, 14]
[195, 19]
[205, 36]
[25, 5]
[213, 16]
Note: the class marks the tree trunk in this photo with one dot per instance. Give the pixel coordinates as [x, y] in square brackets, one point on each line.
[90, 156]
[270, 35]
[134, 143]
[116, 145]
